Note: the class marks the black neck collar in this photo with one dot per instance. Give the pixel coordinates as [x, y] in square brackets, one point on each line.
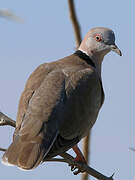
[85, 57]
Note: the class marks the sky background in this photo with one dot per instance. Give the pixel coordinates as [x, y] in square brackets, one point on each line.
[47, 35]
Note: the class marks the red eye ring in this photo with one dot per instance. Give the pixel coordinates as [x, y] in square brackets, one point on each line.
[98, 37]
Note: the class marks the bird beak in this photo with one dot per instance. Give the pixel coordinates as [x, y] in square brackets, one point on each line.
[116, 49]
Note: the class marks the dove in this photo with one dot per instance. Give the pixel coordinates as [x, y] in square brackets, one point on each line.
[60, 103]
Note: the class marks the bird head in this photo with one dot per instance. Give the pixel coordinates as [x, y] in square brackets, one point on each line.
[98, 42]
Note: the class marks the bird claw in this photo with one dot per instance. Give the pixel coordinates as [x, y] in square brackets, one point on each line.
[73, 168]
[78, 171]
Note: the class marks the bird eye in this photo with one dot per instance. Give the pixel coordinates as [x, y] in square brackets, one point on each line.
[98, 37]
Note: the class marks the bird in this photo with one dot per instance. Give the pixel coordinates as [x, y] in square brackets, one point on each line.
[60, 103]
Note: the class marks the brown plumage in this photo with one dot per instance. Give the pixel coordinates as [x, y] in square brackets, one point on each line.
[58, 106]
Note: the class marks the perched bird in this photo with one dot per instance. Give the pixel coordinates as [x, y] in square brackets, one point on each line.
[60, 103]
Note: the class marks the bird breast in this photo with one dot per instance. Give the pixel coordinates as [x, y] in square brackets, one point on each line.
[81, 110]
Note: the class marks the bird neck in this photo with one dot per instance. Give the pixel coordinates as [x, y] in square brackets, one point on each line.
[85, 57]
[97, 60]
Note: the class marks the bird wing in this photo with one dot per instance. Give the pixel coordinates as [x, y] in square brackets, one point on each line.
[43, 104]
[36, 129]
[39, 127]
[33, 83]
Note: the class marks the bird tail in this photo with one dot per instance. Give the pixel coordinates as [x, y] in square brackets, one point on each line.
[28, 154]
[24, 155]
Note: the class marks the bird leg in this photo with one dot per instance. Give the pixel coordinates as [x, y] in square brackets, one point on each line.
[79, 155]
[79, 158]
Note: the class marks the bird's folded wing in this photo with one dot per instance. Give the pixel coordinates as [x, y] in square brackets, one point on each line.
[33, 83]
[39, 127]
[41, 111]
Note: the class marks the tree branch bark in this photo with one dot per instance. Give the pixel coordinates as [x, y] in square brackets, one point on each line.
[5, 120]
[86, 143]
[76, 27]
[2, 149]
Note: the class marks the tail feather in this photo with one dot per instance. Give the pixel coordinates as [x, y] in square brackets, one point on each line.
[30, 157]
[23, 155]
[28, 154]
[11, 155]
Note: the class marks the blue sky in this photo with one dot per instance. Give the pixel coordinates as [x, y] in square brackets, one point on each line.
[47, 35]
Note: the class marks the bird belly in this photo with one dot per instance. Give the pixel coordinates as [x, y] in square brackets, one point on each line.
[80, 117]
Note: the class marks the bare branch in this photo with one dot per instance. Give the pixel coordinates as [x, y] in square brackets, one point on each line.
[75, 22]
[2, 149]
[84, 167]
[5, 120]
[86, 143]
[8, 14]
[132, 149]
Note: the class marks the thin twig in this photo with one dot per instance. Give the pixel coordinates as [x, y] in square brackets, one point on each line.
[2, 149]
[8, 14]
[84, 167]
[86, 144]
[132, 149]
[75, 22]
[67, 158]
[5, 120]
[56, 160]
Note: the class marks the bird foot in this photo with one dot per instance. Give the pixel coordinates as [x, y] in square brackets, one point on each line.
[75, 169]
[79, 159]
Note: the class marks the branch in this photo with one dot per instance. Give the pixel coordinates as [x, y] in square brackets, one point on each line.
[81, 166]
[5, 120]
[132, 149]
[2, 149]
[75, 22]
[8, 14]
[86, 143]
